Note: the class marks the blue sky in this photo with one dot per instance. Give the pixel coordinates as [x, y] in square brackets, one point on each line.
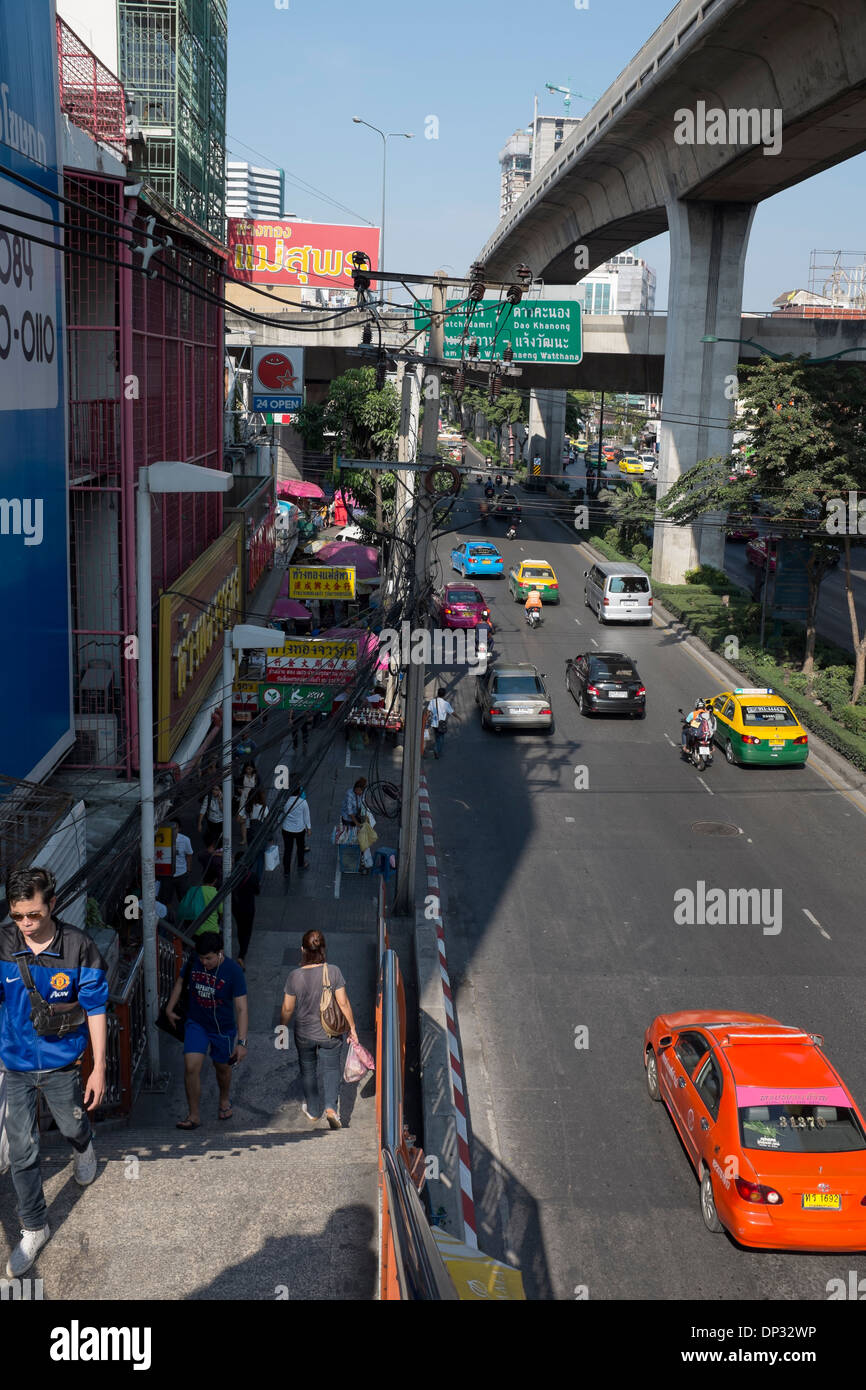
[297, 76]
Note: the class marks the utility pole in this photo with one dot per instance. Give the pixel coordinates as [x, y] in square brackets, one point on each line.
[404, 493]
[423, 518]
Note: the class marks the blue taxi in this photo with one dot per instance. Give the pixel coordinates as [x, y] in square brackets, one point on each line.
[476, 557]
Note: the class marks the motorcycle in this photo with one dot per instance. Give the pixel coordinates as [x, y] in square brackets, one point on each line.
[478, 478]
[534, 618]
[511, 533]
[698, 753]
[498, 480]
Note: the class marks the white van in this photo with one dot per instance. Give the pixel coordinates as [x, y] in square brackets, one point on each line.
[618, 593]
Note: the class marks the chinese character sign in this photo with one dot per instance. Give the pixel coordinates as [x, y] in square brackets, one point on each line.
[322, 581]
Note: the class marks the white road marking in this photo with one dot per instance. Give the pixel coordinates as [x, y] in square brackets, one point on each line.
[579, 623]
[703, 784]
[670, 740]
[593, 641]
[816, 923]
[337, 876]
[569, 820]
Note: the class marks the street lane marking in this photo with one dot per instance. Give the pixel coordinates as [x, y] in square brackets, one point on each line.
[337, 877]
[816, 923]
[593, 641]
[579, 623]
[670, 740]
[703, 784]
[569, 820]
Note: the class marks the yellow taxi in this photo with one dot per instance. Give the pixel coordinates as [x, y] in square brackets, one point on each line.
[757, 726]
[533, 574]
[630, 463]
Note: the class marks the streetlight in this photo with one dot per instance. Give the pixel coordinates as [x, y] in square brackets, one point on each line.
[157, 478]
[241, 637]
[392, 134]
[780, 356]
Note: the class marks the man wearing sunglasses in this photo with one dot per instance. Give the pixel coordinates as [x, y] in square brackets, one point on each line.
[54, 986]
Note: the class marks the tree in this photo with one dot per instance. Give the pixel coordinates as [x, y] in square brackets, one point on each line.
[806, 431]
[366, 421]
[579, 407]
[632, 509]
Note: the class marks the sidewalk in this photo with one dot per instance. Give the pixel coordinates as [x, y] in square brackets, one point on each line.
[262, 1206]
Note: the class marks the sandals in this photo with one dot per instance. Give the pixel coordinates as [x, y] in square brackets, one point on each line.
[225, 1112]
[188, 1124]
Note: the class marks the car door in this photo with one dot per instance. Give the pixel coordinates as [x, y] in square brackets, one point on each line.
[680, 1062]
[580, 669]
[458, 559]
[724, 711]
[707, 1084]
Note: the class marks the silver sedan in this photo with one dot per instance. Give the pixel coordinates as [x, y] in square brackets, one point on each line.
[514, 697]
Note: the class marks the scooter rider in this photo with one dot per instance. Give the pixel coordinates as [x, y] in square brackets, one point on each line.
[699, 721]
[533, 604]
[511, 533]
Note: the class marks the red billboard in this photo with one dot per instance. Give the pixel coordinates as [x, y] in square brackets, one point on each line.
[265, 252]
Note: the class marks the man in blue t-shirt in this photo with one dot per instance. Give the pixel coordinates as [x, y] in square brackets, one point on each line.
[216, 1023]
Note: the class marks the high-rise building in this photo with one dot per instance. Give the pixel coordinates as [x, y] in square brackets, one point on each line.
[548, 133]
[172, 63]
[252, 191]
[625, 284]
[515, 164]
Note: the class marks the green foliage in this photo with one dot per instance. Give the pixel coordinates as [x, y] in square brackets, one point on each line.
[710, 577]
[633, 510]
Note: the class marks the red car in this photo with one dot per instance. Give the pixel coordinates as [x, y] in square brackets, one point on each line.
[772, 1131]
[462, 605]
[756, 552]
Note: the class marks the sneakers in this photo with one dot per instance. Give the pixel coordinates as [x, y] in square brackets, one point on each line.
[313, 1119]
[26, 1250]
[84, 1168]
[333, 1119]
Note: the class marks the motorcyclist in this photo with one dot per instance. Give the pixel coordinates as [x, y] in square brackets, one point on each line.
[489, 489]
[533, 603]
[699, 726]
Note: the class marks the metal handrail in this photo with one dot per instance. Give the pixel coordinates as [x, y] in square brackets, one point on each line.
[421, 1271]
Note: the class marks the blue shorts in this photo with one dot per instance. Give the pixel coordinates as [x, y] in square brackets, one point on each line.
[198, 1039]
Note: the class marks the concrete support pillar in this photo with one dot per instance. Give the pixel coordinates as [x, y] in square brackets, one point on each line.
[547, 428]
[708, 251]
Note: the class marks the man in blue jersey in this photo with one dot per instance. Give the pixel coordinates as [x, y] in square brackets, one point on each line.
[216, 1023]
[54, 986]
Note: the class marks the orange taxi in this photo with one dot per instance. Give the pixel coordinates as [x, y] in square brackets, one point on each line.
[772, 1131]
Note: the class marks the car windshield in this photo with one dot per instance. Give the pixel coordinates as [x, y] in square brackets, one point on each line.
[768, 714]
[537, 572]
[801, 1128]
[626, 584]
[463, 596]
[483, 550]
[517, 685]
[612, 671]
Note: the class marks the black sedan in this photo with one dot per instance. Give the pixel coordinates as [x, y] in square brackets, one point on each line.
[606, 682]
[508, 505]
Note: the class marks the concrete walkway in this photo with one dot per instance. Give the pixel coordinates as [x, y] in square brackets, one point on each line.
[262, 1206]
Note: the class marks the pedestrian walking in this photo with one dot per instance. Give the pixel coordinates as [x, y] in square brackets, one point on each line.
[246, 785]
[210, 817]
[176, 886]
[216, 1024]
[54, 987]
[439, 711]
[211, 861]
[196, 900]
[302, 1000]
[354, 811]
[257, 813]
[244, 907]
[296, 828]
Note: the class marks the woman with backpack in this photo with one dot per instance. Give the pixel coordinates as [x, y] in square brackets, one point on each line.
[309, 991]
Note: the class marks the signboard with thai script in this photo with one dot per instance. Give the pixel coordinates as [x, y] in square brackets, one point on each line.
[267, 252]
[205, 599]
[294, 697]
[314, 662]
[245, 701]
[321, 581]
[536, 330]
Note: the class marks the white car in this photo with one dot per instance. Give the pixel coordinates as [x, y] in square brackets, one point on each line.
[650, 463]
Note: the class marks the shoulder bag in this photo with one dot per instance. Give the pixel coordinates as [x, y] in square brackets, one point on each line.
[49, 1020]
[333, 1019]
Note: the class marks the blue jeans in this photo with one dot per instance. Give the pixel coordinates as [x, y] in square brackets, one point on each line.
[62, 1092]
[331, 1055]
[438, 740]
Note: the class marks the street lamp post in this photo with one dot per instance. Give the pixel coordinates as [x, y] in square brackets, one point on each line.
[157, 478]
[391, 134]
[780, 356]
[241, 637]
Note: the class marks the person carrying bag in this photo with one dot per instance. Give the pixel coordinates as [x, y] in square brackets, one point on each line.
[315, 996]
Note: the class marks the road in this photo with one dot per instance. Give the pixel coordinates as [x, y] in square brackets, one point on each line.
[559, 916]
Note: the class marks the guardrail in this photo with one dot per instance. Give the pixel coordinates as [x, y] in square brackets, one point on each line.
[410, 1265]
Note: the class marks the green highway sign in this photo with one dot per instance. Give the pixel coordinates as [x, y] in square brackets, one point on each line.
[537, 330]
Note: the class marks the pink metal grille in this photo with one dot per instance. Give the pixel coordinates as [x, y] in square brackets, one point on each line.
[90, 95]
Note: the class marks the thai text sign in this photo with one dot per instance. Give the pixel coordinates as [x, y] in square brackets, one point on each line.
[191, 623]
[321, 581]
[296, 697]
[314, 662]
[265, 252]
[537, 330]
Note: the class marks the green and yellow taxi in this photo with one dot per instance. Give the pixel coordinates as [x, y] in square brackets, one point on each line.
[756, 726]
[533, 574]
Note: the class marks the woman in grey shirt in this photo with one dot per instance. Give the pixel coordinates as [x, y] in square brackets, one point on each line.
[301, 1001]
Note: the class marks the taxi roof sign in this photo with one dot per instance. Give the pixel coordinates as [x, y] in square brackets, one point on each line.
[744, 691]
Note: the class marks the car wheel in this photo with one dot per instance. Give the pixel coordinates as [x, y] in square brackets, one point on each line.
[729, 753]
[708, 1204]
[599, 614]
[568, 684]
[584, 707]
[552, 727]
[652, 1076]
[516, 597]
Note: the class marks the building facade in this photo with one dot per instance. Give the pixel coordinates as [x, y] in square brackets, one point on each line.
[623, 285]
[254, 192]
[548, 133]
[515, 169]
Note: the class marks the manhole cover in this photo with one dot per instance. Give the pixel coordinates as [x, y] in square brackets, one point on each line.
[714, 827]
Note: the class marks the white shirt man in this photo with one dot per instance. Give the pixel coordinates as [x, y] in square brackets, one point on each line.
[439, 712]
[296, 827]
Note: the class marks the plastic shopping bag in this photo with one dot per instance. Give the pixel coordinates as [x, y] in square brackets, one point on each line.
[366, 835]
[358, 1063]
[272, 857]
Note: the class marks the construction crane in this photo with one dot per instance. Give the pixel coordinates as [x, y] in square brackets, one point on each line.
[567, 94]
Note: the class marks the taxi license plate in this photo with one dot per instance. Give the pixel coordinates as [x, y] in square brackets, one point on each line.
[779, 744]
[822, 1201]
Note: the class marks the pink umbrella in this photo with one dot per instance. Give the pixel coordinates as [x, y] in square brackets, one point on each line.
[297, 487]
[364, 557]
[289, 608]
